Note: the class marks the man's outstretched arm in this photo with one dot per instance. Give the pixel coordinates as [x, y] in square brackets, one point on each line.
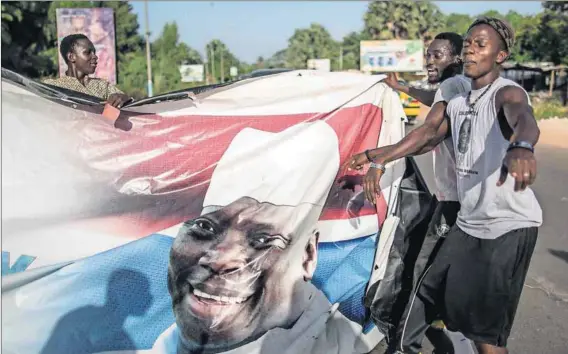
[519, 161]
[425, 97]
[421, 140]
[417, 142]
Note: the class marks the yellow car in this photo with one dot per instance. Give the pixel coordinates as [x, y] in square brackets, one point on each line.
[411, 106]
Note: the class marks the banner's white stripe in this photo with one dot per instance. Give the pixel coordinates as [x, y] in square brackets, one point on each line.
[285, 94]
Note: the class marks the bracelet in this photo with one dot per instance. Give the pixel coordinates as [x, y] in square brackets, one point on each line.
[368, 156]
[522, 145]
[378, 166]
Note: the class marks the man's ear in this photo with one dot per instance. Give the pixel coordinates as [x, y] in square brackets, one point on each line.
[502, 56]
[310, 260]
[71, 58]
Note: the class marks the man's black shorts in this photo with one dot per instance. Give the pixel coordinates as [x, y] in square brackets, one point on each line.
[476, 283]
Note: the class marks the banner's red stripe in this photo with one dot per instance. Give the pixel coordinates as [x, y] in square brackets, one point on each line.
[176, 156]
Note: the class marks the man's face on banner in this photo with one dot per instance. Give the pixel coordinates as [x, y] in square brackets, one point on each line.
[78, 23]
[236, 272]
[97, 32]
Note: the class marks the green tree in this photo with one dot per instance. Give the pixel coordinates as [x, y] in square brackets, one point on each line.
[133, 78]
[515, 19]
[558, 7]
[277, 60]
[526, 32]
[168, 54]
[222, 55]
[22, 37]
[351, 47]
[402, 19]
[458, 23]
[314, 42]
[260, 63]
[491, 13]
[551, 37]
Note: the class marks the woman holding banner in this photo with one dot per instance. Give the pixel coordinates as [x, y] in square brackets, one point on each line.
[80, 56]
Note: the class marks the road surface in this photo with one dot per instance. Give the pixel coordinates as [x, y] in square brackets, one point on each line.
[541, 324]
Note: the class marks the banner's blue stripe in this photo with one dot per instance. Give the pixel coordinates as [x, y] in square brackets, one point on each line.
[343, 271]
[121, 296]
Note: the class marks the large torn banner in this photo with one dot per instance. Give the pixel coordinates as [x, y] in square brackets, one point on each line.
[219, 224]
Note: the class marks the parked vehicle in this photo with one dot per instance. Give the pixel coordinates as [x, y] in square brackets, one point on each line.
[411, 106]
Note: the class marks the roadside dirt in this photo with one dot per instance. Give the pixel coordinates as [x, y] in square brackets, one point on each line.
[554, 132]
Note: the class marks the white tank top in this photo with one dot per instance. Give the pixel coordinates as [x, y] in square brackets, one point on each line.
[487, 211]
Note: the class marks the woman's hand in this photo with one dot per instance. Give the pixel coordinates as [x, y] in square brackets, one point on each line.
[118, 100]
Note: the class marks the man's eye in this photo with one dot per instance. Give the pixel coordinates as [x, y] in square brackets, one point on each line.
[267, 241]
[204, 225]
[262, 239]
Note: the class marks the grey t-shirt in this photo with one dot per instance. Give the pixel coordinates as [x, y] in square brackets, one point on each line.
[487, 211]
[443, 154]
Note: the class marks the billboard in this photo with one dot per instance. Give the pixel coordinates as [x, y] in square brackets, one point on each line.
[319, 64]
[234, 71]
[191, 73]
[98, 25]
[392, 55]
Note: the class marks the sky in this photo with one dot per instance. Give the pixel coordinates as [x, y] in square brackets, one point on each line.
[260, 28]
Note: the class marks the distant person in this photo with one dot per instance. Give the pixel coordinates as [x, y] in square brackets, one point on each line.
[80, 56]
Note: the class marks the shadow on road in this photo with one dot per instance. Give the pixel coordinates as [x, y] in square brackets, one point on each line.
[563, 255]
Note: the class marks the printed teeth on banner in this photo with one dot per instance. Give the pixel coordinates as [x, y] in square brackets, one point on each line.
[225, 299]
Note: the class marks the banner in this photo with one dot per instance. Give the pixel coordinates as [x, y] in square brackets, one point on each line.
[98, 25]
[392, 56]
[220, 223]
[191, 73]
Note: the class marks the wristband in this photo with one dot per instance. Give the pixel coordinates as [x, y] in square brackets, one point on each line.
[521, 145]
[368, 156]
[378, 166]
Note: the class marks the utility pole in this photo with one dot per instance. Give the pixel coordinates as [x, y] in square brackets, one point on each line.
[340, 57]
[206, 67]
[222, 67]
[148, 58]
[212, 64]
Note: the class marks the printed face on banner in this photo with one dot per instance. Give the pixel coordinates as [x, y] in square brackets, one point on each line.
[243, 267]
[241, 270]
[98, 25]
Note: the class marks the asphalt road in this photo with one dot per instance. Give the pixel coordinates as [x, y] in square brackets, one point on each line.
[541, 324]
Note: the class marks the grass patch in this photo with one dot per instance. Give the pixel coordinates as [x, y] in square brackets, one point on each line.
[545, 108]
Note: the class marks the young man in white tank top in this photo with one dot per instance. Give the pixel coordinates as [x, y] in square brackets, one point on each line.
[477, 277]
[444, 66]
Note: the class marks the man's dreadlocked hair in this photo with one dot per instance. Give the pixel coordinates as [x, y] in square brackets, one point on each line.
[502, 27]
[68, 44]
